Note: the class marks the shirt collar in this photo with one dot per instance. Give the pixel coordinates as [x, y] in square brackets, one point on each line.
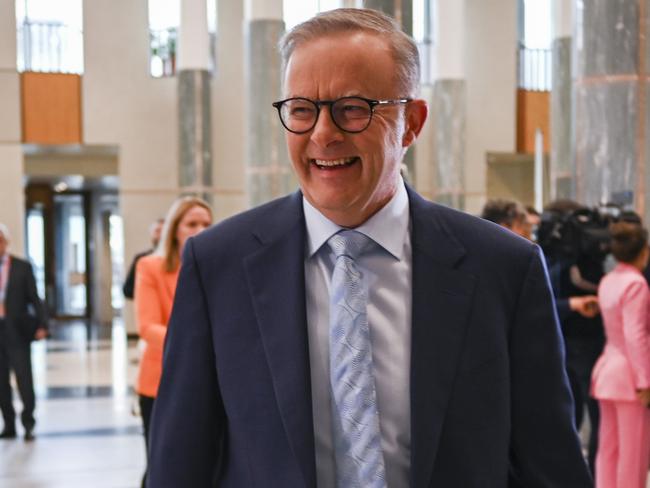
[388, 227]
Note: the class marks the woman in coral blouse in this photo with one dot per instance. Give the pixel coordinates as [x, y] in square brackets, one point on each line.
[155, 286]
[621, 377]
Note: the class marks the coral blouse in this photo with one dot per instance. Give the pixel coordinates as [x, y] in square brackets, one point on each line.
[154, 297]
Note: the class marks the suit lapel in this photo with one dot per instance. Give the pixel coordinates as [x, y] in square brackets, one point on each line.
[276, 277]
[12, 270]
[442, 297]
[11, 281]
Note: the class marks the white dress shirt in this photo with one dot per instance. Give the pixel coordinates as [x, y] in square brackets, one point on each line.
[387, 269]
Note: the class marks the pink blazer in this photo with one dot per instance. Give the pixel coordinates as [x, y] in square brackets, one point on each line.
[154, 297]
[624, 365]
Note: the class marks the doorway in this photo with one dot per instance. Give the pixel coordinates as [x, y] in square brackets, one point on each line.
[74, 240]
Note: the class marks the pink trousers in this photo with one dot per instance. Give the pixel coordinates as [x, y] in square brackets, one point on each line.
[623, 445]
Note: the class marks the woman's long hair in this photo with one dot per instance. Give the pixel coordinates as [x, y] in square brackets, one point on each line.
[168, 246]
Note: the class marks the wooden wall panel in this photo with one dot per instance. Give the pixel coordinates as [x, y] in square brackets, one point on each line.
[533, 111]
[51, 108]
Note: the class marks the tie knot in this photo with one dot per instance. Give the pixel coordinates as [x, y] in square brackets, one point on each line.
[349, 243]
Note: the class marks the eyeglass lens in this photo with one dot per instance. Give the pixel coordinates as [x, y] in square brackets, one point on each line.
[349, 113]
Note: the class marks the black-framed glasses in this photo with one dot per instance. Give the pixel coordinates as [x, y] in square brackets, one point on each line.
[350, 114]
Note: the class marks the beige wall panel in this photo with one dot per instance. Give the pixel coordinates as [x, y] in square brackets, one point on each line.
[126, 107]
[512, 176]
[12, 198]
[228, 100]
[12, 207]
[123, 105]
[8, 35]
[491, 27]
[71, 159]
[474, 202]
[228, 204]
[9, 107]
[51, 108]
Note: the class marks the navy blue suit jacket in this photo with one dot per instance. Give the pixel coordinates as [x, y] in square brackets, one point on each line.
[490, 404]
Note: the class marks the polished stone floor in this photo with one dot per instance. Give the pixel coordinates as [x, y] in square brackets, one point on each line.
[86, 433]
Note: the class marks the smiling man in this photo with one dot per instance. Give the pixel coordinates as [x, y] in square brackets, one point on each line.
[353, 334]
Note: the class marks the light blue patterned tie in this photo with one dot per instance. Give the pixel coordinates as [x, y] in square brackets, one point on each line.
[355, 420]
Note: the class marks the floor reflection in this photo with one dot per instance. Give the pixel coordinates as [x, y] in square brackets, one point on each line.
[86, 433]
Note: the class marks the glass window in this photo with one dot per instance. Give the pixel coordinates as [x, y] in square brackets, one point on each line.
[116, 240]
[537, 24]
[535, 62]
[71, 277]
[49, 36]
[36, 246]
[164, 20]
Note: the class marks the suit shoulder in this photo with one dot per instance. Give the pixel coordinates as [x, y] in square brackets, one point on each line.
[20, 263]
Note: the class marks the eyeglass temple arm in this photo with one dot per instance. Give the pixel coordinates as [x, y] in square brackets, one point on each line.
[393, 102]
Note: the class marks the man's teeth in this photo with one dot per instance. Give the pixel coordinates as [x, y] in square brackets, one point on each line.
[333, 162]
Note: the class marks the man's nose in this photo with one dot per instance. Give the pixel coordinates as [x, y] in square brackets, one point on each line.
[326, 132]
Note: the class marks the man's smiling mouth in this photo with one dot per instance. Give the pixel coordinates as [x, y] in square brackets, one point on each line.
[334, 163]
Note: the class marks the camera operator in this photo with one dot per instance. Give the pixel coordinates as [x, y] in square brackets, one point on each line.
[575, 271]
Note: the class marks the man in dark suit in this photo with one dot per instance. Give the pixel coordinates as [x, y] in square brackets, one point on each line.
[128, 289]
[509, 214]
[353, 334]
[22, 320]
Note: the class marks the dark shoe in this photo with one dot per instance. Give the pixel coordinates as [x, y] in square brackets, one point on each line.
[8, 434]
[29, 435]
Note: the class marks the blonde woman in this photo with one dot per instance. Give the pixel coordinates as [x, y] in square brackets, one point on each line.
[155, 286]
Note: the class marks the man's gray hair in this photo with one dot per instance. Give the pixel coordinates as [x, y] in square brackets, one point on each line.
[4, 230]
[403, 47]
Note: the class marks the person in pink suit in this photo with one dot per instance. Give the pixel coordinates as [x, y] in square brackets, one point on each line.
[621, 377]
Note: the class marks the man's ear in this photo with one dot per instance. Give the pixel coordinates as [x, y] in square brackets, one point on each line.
[416, 114]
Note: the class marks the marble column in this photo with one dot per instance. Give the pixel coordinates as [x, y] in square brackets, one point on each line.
[195, 143]
[269, 172]
[611, 108]
[562, 167]
[448, 104]
[490, 34]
